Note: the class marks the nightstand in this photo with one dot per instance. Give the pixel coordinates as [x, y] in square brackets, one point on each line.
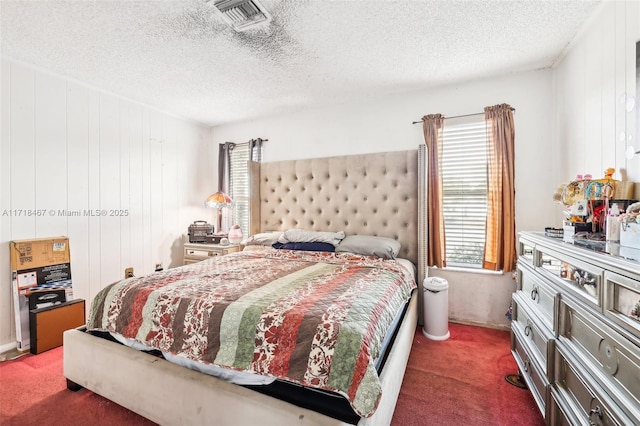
[195, 252]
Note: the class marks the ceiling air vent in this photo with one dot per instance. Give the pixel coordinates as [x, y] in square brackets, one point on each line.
[242, 14]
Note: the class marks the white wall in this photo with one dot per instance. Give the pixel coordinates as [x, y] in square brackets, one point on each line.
[66, 146]
[592, 126]
[384, 124]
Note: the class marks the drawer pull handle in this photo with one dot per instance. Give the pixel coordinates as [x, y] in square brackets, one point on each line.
[597, 411]
[534, 293]
[527, 331]
[527, 251]
[526, 366]
[545, 261]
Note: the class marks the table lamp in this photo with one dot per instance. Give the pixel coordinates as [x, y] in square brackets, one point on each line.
[218, 200]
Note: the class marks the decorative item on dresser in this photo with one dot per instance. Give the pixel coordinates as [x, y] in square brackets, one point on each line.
[576, 329]
[195, 252]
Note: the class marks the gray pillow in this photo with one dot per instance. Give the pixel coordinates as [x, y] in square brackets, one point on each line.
[264, 239]
[369, 245]
[305, 236]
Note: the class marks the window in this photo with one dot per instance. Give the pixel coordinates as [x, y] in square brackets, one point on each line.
[239, 155]
[471, 188]
[464, 190]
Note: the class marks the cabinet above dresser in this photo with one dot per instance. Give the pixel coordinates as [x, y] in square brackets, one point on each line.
[576, 329]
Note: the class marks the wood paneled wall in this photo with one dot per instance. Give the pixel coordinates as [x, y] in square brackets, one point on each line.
[593, 126]
[69, 149]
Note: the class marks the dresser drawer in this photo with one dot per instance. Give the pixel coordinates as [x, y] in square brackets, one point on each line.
[584, 398]
[612, 359]
[541, 295]
[526, 250]
[622, 303]
[578, 278]
[561, 412]
[530, 331]
[531, 372]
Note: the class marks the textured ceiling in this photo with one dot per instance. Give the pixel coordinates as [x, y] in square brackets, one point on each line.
[180, 57]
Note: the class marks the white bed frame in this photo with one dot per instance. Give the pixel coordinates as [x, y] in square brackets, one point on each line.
[172, 395]
[386, 205]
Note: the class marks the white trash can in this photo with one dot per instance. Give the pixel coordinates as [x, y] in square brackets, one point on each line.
[436, 308]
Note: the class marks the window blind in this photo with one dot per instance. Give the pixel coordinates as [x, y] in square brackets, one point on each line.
[464, 176]
[239, 181]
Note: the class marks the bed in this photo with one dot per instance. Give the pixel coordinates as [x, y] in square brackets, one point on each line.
[371, 194]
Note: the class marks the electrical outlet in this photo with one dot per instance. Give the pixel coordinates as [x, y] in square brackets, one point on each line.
[128, 272]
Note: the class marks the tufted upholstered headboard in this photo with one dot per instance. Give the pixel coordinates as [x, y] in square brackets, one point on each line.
[367, 194]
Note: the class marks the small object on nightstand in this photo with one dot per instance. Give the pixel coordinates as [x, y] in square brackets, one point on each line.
[199, 230]
[213, 238]
[235, 234]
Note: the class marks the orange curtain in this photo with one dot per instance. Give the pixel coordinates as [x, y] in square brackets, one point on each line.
[500, 245]
[435, 220]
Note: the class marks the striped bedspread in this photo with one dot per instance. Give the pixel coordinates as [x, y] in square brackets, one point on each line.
[313, 318]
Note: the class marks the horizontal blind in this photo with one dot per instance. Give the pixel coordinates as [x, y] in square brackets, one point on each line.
[464, 176]
[239, 183]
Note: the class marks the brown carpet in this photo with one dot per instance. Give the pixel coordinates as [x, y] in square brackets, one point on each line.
[458, 381]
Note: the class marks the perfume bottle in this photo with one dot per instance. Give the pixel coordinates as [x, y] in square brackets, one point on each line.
[612, 232]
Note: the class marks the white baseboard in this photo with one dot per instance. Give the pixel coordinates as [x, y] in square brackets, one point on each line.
[8, 347]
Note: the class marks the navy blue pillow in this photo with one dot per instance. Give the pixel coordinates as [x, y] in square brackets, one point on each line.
[315, 246]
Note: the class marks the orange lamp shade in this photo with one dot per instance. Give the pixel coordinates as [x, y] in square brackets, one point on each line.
[218, 200]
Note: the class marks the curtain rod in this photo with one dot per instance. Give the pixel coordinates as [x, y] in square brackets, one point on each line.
[459, 116]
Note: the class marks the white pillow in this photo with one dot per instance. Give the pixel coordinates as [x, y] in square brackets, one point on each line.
[305, 236]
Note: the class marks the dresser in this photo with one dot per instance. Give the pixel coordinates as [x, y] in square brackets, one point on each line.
[576, 329]
[195, 252]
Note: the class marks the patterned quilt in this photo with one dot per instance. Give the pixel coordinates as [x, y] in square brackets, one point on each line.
[313, 318]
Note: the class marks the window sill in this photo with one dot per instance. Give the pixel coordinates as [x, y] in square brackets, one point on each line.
[468, 270]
